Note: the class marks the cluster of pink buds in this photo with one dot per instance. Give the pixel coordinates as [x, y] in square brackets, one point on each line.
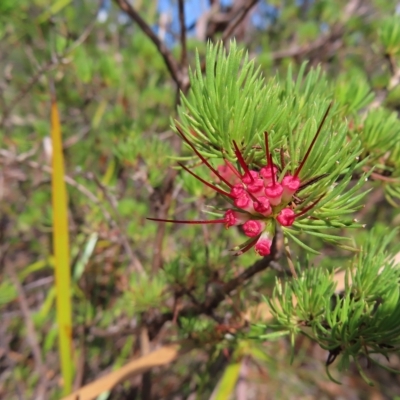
[259, 197]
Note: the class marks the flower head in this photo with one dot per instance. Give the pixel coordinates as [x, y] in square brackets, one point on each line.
[261, 196]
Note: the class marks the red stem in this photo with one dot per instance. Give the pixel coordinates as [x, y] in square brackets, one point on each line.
[313, 141]
[217, 189]
[269, 157]
[177, 221]
[232, 168]
[248, 246]
[309, 207]
[201, 157]
[241, 160]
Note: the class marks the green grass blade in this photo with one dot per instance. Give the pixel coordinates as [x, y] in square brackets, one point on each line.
[87, 253]
[228, 382]
[61, 251]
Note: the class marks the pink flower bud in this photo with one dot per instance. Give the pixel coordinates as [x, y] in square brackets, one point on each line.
[243, 202]
[262, 205]
[226, 172]
[290, 185]
[238, 190]
[233, 218]
[250, 177]
[256, 187]
[253, 228]
[266, 174]
[286, 217]
[263, 245]
[274, 193]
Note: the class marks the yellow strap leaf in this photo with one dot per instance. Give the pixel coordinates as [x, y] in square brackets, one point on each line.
[61, 250]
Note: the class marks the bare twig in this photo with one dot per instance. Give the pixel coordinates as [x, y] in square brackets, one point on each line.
[163, 356]
[165, 200]
[183, 33]
[38, 283]
[9, 158]
[179, 75]
[48, 66]
[353, 7]
[238, 18]
[114, 205]
[77, 137]
[258, 266]
[43, 69]
[214, 298]
[172, 65]
[375, 176]
[321, 42]
[31, 335]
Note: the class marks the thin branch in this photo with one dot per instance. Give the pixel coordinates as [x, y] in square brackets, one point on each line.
[181, 4]
[31, 335]
[353, 7]
[296, 51]
[114, 205]
[45, 68]
[9, 158]
[238, 18]
[379, 177]
[180, 76]
[161, 357]
[258, 266]
[171, 63]
[48, 66]
[155, 322]
[165, 200]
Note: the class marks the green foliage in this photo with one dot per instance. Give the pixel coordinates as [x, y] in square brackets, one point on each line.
[361, 320]
[219, 108]
[116, 101]
[137, 149]
[197, 328]
[379, 133]
[143, 293]
[8, 292]
[389, 34]
[232, 102]
[353, 91]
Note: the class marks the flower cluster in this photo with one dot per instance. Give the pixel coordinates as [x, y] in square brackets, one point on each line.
[259, 198]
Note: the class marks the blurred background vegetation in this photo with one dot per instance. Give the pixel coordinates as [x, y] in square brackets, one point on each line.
[137, 285]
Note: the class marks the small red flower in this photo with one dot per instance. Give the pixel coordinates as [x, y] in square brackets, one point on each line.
[286, 217]
[233, 218]
[253, 228]
[263, 245]
[274, 192]
[291, 185]
[262, 206]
